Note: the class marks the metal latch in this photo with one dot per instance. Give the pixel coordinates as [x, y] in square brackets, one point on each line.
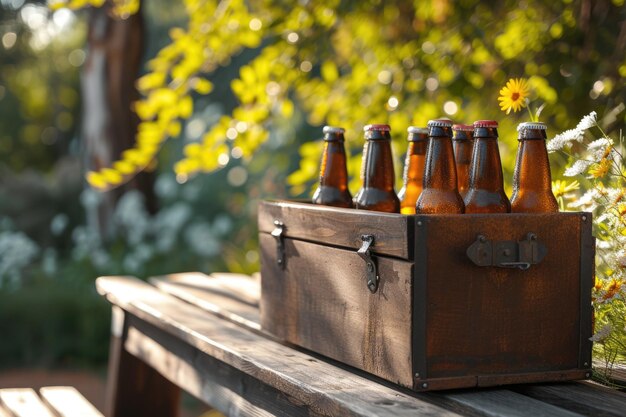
[280, 244]
[371, 272]
[507, 253]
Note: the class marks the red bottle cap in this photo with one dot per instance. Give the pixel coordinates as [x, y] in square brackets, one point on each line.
[463, 128]
[377, 127]
[485, 123]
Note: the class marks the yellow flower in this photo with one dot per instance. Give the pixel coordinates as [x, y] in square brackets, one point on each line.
[513, 95]
[560, 188]
[600, 169]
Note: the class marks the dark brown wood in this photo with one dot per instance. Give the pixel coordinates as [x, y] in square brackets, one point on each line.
[305, 381]
[339, 227]
[579, 397]
[487, 321]
[341, 318]
[134, 388]
[439, 323]
[68, 402]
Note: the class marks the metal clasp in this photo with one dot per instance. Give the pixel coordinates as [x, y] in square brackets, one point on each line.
[280, 244]
[507, 253]
[371, 272]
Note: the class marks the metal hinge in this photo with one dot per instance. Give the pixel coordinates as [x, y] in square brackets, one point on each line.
[278, 231]
[371, 272]
[507, 253]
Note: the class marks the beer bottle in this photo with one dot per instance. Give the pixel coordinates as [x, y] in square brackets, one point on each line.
[333, 185]
[377, 176]
[462, 142]
[532, 190]
[440, 193]
[413, 169]
[485, 193]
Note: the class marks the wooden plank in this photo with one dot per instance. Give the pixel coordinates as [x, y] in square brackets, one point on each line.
[134, 388]
[498, 403]
[339, 227]
[23, 402]
[580, 397]
[68, 402]
[319, 387]
[234, 297]
[492, 322]
[321, 302]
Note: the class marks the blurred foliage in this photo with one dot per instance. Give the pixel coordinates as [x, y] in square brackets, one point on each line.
[351, 63]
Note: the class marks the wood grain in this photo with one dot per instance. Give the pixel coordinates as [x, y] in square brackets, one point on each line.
[68, 402]
[321, 302]
[487, 321]
[234, 297]
[23, 402]
[321, 388]
[580, 397]
[134, 388]
[339, 227]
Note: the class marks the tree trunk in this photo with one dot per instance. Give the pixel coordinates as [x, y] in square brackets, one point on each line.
[115, 49]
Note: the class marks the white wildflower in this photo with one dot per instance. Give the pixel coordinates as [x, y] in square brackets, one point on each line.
[168, 223]
[59, 224]
[577, 168]
[602, 334]
[602, 143]
[587, 201]
[587, 122]
[562, 139]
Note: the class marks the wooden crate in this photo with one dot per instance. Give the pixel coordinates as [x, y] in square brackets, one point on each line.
[437, 319]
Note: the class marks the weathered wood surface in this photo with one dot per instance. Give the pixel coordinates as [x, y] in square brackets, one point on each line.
[321, 302]
[340, 227]
[318, 388]
[23, 402]
[68, 402]
[244, 374]
[234, 297]
[133, 387]
[489, 321]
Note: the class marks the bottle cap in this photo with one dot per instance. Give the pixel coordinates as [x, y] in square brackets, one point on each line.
[417, 130]
[440, 123]
[485, 123]
[333, 129]
[377, 127]
[463, 128]
[531, 126]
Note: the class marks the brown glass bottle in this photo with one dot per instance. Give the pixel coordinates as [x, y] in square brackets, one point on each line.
[462, 142]
[440, 193]
[333, 186]
[377, 175]
[532, 181]
[485, 193]
[413, 169]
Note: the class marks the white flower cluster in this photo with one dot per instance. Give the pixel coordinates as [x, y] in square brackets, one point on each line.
[17, 251]
[576, 134]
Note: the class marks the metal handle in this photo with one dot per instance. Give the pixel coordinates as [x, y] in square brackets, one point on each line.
[371, 272]
[277, 233]
[507, 253]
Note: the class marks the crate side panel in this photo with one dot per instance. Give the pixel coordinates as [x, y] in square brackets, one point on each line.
[488, 320]
[330, 310]
[339, 227]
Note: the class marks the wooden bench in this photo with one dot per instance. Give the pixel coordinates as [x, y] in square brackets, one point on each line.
[51, 402]
[202, 334]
